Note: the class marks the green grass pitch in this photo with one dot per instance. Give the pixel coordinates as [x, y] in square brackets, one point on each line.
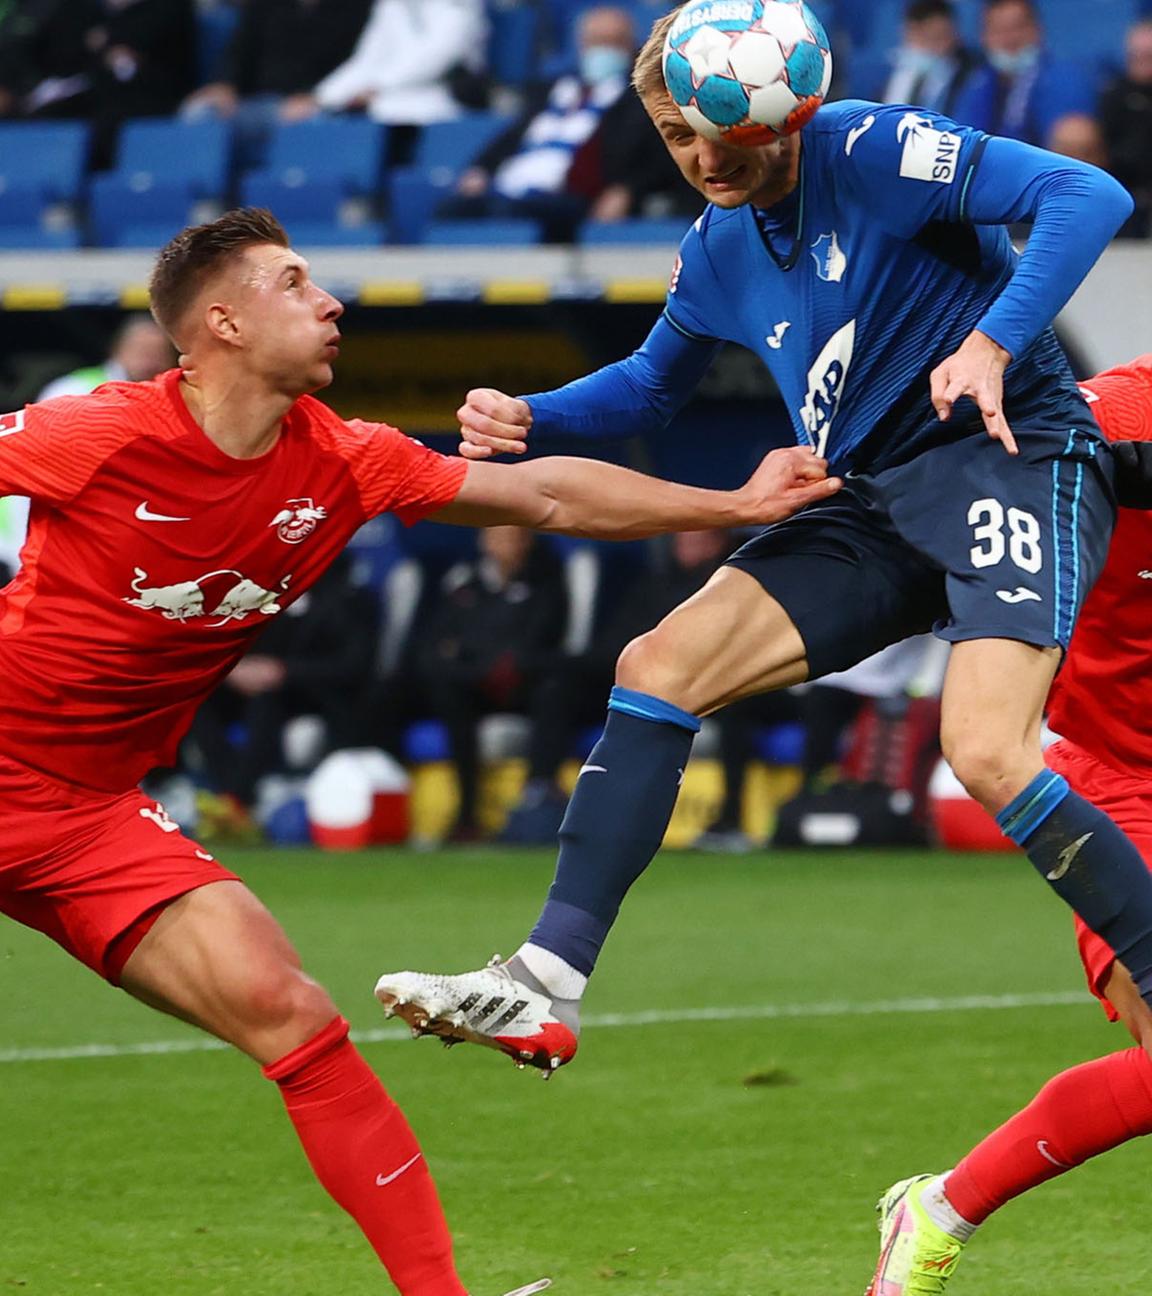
[731, 1143]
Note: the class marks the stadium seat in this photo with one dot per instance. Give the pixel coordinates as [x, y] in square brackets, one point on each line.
[482, 233]
[321, 234]
[166, 171]
[453, 145]
[514, 34]
[323, 173]
[48, 158]
[665, 230]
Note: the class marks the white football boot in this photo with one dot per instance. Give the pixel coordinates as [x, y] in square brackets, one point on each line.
[531, 1288]
[490, 1007]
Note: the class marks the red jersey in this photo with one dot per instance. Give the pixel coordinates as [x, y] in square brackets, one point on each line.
[1102, 698]
[153, 558]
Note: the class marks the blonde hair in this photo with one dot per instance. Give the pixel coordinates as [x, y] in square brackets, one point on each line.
[648, 70]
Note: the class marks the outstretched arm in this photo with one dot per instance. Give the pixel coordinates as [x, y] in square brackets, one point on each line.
[585, 498]
[636, 395]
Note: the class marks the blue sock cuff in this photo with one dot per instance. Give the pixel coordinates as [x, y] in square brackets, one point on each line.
[1021, 817]
[646, 707]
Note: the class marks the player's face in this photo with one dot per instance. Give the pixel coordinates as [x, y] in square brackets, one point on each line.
[726, 175]
[288, 323]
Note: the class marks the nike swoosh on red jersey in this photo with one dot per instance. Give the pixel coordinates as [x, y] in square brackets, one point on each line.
[145, 514]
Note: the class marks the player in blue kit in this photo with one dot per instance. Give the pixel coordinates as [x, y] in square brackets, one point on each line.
[866, 261]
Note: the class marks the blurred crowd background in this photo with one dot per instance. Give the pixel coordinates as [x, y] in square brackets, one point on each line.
[481, 666]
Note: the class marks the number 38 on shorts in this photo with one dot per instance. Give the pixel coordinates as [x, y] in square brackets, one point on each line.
[1000, 532]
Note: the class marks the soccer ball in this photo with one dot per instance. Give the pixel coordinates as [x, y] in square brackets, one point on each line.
[747, 71]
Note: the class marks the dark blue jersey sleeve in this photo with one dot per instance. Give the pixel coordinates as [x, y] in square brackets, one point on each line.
[1074, 209]
[630, 398]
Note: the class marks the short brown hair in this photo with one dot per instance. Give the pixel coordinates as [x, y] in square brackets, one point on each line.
[198, 252]
[648, 70]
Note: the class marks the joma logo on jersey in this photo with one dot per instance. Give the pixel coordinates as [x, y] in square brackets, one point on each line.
[826, 381]
[929, 154]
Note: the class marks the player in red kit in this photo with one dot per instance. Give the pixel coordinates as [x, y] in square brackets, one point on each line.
[170, 521]
[1101, 704]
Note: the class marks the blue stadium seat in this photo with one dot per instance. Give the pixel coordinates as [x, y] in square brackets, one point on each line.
[453, 145]
[666, 230]
[412, 198]
[318, 234]
[482, 233]
[196, 154]
[36, 237]
[165, 168]
[48, 158]
[514, 35]
[137, 211]
[343, 151]
[323, 173]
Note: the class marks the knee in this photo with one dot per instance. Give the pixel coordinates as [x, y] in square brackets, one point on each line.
[991, 771]
[650, 664]
[283, 1001]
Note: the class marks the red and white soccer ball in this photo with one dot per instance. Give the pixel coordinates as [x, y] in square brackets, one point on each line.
[747, 71]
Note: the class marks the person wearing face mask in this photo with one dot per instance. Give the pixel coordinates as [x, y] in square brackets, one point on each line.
[1023, 91]
[572, 152]
[932, 64]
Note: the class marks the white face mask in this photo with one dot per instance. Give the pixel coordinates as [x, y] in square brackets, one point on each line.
[1013, 64]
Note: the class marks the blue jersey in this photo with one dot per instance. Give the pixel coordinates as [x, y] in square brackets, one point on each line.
[889, 252]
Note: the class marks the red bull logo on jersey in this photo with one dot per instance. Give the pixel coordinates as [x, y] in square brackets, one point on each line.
[188, 600]
[297, 520]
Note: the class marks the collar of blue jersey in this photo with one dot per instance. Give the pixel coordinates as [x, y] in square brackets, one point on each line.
[776, 220]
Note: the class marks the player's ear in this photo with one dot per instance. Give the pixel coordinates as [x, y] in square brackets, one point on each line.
[220, 321]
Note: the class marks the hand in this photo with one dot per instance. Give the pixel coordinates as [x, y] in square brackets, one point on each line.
[255, 674]
[219, 98]
[976, 370]
[785, 482]
[613, 204]
[492, 423]
[298, 107]
[472, 183]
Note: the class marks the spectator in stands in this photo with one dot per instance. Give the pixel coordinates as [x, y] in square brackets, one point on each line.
[572, 695]
[410, 67]
[280, 49]
[106, 60]
[932, 65]
[488, 642]
[1126, 119]
[582, 146]
[139, 352]
[1023, 90]
[314, 659]
[1079, 136]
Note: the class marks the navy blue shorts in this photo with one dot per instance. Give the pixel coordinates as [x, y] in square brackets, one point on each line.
[965, 540]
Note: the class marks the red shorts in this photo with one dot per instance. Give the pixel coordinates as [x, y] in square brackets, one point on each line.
[91, 869]
[1127, 798]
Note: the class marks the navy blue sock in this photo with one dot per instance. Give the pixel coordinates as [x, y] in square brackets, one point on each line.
[1090, 864]
[615, 822]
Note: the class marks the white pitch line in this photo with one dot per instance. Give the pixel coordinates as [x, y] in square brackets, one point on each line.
[610, 1021]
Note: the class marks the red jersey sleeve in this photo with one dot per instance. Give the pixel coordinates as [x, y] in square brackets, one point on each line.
[1121, 400]
[398, 474]
[50, 451]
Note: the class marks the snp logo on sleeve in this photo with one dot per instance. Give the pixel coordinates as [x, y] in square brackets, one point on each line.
[929, 154]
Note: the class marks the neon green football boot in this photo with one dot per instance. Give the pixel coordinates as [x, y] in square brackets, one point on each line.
[916, 1256]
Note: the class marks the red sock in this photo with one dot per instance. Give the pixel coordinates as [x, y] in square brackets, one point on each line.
[367, 1157]
[1078, 1114]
